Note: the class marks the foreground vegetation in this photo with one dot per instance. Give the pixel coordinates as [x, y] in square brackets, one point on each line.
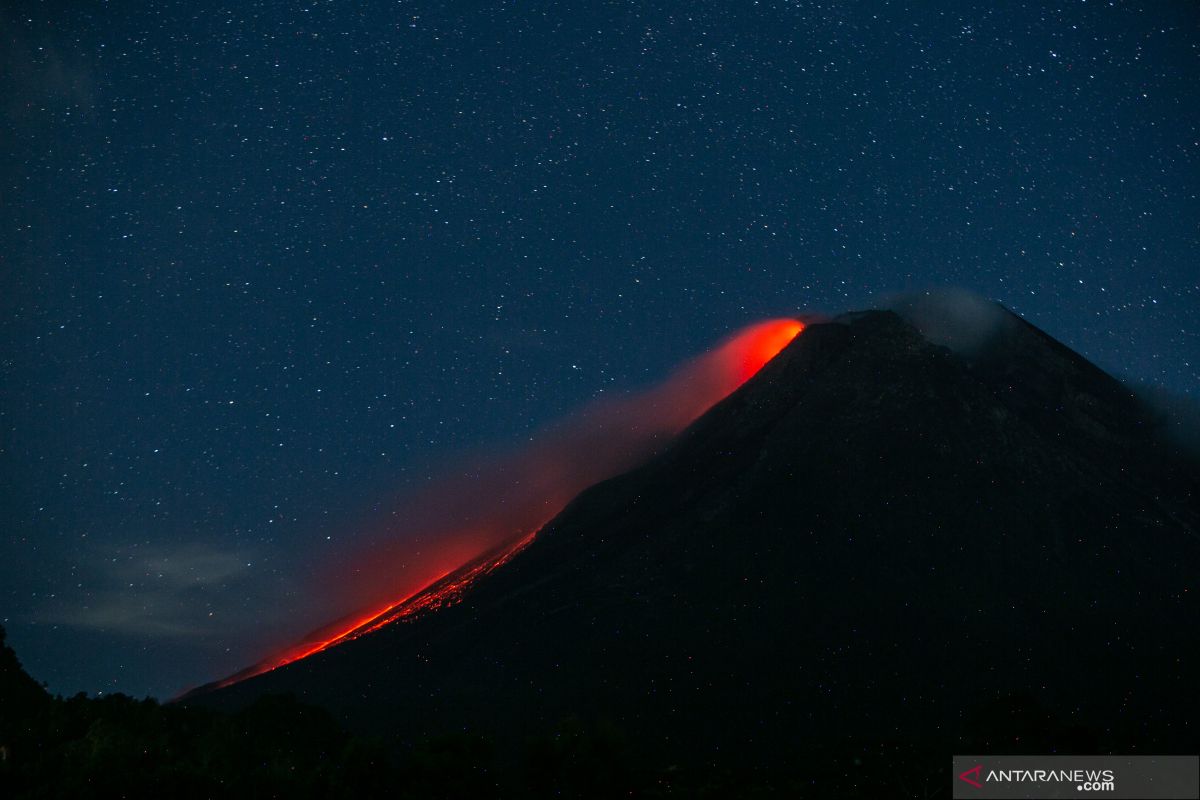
[117, 746]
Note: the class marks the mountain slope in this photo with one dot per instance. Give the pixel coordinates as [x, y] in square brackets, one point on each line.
[876, 542]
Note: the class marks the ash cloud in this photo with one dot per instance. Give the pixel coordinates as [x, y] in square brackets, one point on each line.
[958, 319]
[967, 322]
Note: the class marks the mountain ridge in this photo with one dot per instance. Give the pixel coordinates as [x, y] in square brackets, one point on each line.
[874, 539]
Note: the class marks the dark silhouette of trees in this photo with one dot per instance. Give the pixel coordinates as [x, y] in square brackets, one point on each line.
[116, 746]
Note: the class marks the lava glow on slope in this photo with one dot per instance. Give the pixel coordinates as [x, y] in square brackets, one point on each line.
[762, 343]
[473, 523]
[446, 590]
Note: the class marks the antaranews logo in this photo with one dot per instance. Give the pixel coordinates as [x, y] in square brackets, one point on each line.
[971, 776]
[985, 777]
[1085, 780]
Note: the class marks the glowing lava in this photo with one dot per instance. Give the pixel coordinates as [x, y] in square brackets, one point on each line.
[760, 343]
[479, 520]
[445, 591]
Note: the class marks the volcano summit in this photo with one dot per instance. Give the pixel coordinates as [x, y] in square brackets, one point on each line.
[876, 552]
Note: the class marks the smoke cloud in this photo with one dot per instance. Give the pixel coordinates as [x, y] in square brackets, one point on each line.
[504, 497]
[501, 500]
[955, 318]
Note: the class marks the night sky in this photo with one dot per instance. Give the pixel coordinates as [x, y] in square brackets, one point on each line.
[267, 266]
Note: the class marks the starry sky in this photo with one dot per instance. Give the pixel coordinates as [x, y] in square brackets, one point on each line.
[266, 266]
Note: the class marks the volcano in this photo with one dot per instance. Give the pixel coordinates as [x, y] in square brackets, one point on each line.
[877, 552]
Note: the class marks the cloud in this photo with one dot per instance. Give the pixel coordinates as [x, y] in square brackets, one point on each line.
[153, 591]
[955, 318]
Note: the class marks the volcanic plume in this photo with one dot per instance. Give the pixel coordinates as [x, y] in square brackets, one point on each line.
[470, 523]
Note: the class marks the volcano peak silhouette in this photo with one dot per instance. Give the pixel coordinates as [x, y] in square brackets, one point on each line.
[877, 541]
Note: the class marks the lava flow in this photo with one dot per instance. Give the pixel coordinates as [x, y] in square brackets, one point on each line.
[763, 343]
[475, 522]
[445, 591]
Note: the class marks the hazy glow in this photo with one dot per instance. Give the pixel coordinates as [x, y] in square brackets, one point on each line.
[470, 524]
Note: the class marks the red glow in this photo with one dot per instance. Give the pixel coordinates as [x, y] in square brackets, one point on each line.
[475, 522]
[763, 342]
[444, 591]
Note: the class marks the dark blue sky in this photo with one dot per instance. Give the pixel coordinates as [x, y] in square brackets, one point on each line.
[267, 264]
